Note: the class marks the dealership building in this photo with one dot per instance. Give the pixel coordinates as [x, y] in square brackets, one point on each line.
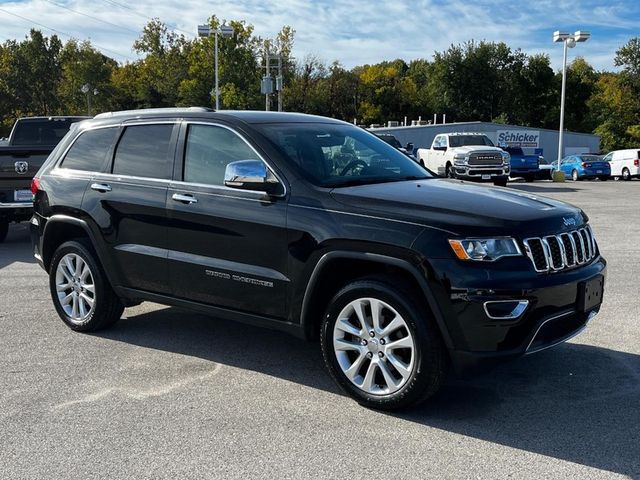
[532, 140]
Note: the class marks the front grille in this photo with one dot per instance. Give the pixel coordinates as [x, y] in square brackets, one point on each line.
[560, 252]
[485, 159]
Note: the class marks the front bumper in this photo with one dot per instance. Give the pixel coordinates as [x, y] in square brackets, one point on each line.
[481, 172]
[555, 310]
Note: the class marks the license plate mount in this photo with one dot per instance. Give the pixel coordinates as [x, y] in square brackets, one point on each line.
[590, 293]
[22, 195]
[486, 177]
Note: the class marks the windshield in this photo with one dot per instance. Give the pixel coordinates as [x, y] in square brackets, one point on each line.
[40, 132]
[462, 140]
[331, 155]
[391, 140]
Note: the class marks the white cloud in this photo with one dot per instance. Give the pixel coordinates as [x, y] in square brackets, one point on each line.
[353, 32]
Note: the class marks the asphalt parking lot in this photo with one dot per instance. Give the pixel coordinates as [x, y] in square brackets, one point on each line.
[172, 394]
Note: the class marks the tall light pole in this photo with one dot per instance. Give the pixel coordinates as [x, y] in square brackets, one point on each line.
[86, 89]
[569, 41]
[225, 31]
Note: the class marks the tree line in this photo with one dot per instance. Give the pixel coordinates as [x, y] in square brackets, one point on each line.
[485, 81]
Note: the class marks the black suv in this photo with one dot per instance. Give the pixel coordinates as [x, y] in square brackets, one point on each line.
[316, 227]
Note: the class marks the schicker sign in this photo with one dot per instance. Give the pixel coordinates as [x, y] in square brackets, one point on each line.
[518, 138]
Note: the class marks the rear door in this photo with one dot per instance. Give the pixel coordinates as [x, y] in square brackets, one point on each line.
[128, 204]
[227, 247]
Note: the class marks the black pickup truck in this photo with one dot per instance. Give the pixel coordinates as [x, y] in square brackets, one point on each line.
[31, 141]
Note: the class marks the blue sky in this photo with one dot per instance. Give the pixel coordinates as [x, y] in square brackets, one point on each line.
[351, 31]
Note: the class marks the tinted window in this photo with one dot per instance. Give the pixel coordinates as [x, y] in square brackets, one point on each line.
[41, 132]
[143, 151]
[208, 151]
[463, 140]
[89, 151]
[335, 155]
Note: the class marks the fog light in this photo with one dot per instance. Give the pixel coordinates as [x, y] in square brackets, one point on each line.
[505, 309]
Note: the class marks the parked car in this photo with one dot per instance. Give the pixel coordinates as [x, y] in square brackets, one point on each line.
[624, 164]
[584, 166]
[246, 216]
[525, 166]
[467, 156]
[31, 141]
[395, 143]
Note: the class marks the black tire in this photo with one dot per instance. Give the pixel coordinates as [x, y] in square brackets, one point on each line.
[574, 175]
[107, 308]
[430, 358]
[4, 230]
[529, 178]
[449, 172]
[603, 178]
[626, 174]
[500, 182]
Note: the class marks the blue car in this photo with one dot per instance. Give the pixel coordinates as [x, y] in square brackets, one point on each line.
[584, 166]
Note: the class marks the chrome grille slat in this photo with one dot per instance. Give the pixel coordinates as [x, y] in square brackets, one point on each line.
[554, 253]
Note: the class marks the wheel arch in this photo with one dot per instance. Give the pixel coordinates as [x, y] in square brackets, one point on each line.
[62, 228]
[352, 265]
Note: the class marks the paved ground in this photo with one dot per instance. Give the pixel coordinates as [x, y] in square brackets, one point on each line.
[172, 394]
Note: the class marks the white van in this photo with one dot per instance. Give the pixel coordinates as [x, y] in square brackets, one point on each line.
[625, 164]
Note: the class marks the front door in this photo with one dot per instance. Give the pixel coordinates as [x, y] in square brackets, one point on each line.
[227, 247]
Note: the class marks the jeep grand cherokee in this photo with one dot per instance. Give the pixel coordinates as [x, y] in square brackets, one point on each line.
[316, 227]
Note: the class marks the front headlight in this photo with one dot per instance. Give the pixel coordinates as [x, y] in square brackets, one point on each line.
[485, 249]
[506, 158]
[460, 158]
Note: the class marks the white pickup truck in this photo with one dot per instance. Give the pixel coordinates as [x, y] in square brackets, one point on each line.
[467, 156]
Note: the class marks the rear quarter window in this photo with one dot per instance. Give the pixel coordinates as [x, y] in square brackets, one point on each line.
[89, 151]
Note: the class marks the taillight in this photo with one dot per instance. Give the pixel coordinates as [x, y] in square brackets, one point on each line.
[35, 185]
[585, 165]
[636, 162]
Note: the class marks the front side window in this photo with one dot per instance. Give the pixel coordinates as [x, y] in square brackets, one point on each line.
[208, 151]
[89, 151]
[336, 155]
[143, 151]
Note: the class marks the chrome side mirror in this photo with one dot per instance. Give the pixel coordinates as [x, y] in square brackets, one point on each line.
[252, 175]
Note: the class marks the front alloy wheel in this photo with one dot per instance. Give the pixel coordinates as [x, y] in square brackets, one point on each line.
[374, 346]
[381, 344]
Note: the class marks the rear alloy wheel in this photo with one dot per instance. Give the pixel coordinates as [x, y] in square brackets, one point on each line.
[574, 176]
[4, 230]
[626, 174]
[79, 288]
[380, 347]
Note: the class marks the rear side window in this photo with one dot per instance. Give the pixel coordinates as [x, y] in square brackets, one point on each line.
[143, 151]
[90, 149]
[208, 151]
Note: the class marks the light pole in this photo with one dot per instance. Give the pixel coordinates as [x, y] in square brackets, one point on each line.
[569, 41]
[225, 31]
[86, 89]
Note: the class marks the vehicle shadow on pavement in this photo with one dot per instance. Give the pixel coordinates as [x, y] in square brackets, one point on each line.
[17, 246]
[576, 402]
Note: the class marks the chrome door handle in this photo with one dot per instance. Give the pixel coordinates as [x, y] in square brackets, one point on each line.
[101, 187]
[184, 198]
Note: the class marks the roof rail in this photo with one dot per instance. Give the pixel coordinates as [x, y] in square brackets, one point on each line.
[142, 111]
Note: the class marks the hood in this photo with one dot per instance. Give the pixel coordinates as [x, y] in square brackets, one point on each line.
[476, 149]
[463, 208]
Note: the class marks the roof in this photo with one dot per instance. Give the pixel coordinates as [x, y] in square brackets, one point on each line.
[247, 116]
[54, 117]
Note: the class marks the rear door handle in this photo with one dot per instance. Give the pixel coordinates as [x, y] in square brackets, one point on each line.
[101, 187]
[184, 198]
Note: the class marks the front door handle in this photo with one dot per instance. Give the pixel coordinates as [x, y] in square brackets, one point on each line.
[184, 198]
[101, 187]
